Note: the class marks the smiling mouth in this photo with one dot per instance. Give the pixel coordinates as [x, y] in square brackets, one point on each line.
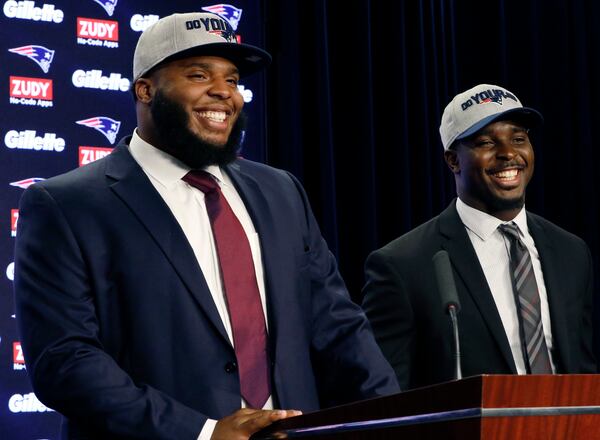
[213, 116]
[507, 175]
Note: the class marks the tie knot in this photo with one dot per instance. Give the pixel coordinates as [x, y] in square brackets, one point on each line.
[202, 180]
[511, 230]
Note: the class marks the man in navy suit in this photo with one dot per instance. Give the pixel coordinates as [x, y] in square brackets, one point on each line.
[485, 134]
[123, 295]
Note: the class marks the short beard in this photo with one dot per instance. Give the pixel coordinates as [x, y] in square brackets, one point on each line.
[176, 138]
[500, 205]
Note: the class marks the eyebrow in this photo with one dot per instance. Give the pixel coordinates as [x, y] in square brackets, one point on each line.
[208, 66]
[516, 128]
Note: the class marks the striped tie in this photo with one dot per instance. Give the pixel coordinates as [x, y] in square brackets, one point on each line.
[528, 304]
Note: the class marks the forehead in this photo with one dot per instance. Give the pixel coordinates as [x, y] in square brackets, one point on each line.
[207, 62]
[508, 125]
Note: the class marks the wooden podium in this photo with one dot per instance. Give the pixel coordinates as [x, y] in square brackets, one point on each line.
[498, 407]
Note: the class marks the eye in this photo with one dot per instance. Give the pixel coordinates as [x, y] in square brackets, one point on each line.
[198, 75]
[484, 143]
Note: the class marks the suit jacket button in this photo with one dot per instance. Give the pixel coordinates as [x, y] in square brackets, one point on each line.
[231, 367]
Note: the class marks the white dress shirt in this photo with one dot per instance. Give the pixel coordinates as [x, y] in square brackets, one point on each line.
[187, 205]
[493, 251]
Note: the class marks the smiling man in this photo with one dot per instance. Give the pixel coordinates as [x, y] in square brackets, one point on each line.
[524, 284]
[175, 291]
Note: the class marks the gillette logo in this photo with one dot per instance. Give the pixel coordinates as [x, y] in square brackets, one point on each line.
[10, 271]
[31, 91]
[18, 358]
[26, 403]
[94, 79]
[27, 140]
[92, 154]
[14, 219]
[27, 10]
[139, 22]
[93, 32]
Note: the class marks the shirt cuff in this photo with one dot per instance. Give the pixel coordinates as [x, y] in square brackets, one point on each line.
[207, 429]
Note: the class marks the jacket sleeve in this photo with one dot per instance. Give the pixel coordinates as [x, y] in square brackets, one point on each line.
[67, 365]
[348, 364]
[588, 362]
[390, 313]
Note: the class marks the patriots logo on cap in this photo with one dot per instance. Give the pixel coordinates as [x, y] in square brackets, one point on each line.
[108, 5]
[495, 99]
[228, 34]
[105, 125]
[228, 12]
[41, 55]
[25, 183]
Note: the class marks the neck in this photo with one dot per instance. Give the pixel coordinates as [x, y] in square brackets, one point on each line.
[505, 213]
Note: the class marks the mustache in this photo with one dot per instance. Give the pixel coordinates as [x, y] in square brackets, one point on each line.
[508, 165]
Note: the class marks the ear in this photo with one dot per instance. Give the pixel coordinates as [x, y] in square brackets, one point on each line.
[451, 158]
[144, 90]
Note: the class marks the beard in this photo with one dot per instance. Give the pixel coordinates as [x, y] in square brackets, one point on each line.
[500, 204]
[176, 138]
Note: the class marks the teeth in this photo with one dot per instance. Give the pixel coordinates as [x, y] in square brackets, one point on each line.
[214, 116]
[509, 174]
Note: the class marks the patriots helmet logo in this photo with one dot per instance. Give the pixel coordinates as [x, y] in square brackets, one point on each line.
[105, 125]
[41, 55]
[228, 12]
[26, 183]
[228, 34]
[108, 5]
[497, 99]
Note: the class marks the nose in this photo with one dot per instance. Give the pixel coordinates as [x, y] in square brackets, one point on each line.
[505, 150]
[220, 88]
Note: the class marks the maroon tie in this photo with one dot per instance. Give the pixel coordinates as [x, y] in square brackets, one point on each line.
[241, 290]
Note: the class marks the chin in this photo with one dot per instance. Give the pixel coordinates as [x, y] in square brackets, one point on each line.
[508, 203]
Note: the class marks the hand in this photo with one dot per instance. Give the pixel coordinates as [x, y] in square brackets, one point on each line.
[244, 422]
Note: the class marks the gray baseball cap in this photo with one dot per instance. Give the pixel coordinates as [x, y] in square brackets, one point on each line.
[479, 106]
[195, 33]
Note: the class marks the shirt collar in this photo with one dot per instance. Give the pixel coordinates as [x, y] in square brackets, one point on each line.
[163, 167]
[483, 224]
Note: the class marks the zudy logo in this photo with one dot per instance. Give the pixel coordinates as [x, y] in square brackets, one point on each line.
[92, 154]
[30, 91]
[94, 32]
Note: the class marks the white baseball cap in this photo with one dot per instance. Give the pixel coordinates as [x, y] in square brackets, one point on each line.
[475, 108]
[194, 33]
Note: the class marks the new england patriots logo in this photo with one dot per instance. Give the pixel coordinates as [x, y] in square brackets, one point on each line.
[26, 183]
[497, 99]
[108, 5]
[105, 125]
[228, 34]
[228, 12]
[41, 55]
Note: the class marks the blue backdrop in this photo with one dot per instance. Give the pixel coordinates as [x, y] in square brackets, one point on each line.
[65, 71]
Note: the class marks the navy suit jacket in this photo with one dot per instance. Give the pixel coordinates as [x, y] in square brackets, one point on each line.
[402, 301]
[119, 330]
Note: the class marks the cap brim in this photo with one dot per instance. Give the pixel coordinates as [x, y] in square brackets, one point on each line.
[531, 118]
[247, 58]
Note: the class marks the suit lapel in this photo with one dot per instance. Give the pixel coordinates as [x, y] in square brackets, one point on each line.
[262, 218]
[133, 187]
[465, 262]
[550, 261]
